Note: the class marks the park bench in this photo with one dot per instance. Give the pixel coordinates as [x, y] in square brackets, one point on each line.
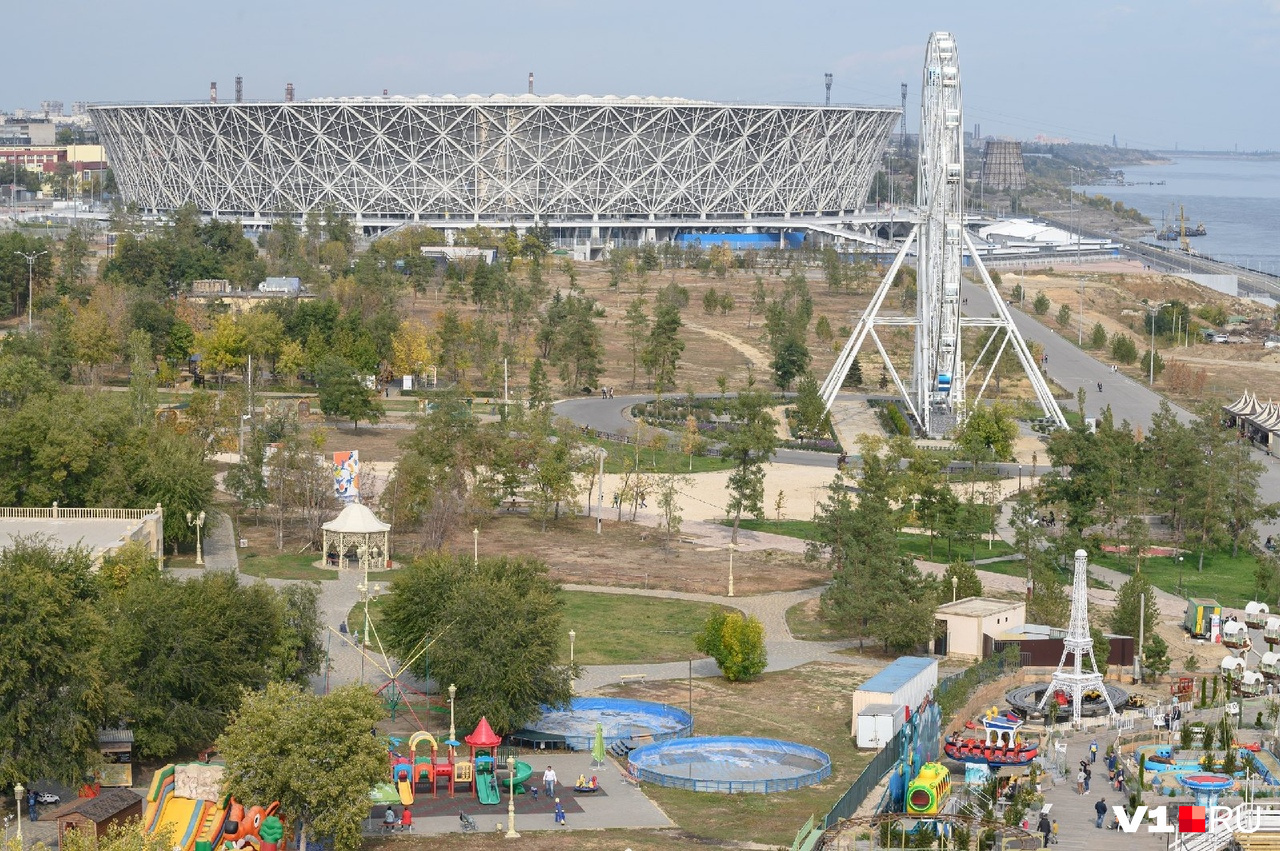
[627, 678]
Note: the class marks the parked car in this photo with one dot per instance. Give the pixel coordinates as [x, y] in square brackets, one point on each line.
[1221, 338]
[1271, 344]
[47, 798]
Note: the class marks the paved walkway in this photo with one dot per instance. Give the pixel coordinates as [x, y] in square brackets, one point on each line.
[220, 542]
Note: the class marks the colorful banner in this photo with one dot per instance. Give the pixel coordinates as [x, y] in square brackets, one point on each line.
[346, 475]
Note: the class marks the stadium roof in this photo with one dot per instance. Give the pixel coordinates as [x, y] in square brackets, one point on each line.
[505, 99]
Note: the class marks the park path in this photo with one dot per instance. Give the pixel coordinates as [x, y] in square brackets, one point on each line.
[220, 543]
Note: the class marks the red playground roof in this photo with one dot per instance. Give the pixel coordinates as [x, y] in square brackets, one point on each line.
[483, 736]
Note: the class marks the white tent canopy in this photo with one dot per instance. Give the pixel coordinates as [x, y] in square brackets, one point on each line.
[360, 529]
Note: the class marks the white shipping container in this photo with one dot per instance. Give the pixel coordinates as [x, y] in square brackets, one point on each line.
[878, 723]
[905, 682]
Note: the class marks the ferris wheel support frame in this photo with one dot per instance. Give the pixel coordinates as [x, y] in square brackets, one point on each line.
[935, 394]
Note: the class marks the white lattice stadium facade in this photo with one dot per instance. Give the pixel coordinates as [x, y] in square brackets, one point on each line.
[521, 160]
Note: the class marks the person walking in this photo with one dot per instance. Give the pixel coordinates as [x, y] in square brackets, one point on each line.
[1101, 809]
[1093, 751]
[560, 814]
[1088, 775]
[549, 782]
[1044, 828]
[1080, 782]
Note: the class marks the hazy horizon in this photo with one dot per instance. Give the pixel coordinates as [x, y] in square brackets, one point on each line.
[1182, 74]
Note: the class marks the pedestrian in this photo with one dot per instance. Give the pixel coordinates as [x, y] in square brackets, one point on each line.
[1120, 778]
[1080, 782]
[406, 820]
[1093, 751]
[389, 820]
[1088, 775]
[1055, 831]
[549, 782]
[1099, 386]
[1101, 809]
[1044, 828]
[560, 814]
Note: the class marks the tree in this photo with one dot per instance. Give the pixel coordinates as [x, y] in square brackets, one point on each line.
[311, 753]
[1123, 348]
[812, 419]
[1098, 336]
[965, 577]
[1146, 364]
[344, 394]
[710, 301]
[95, 340]
[670, 488]
[1128, 615]
[170, 468]
[507, 674]
[142, 378]
[539, 386]
[822, 329]
[554, 464]
[1064, 315]
[52, 686]
[637, 323]
[736, 643]
[1041, 304]
[1101, 648]
[662, 352]
[752, 441]
[1155, 656]
[791, 360]
[692, 442]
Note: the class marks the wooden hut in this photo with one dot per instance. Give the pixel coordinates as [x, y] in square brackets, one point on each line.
[98, 815]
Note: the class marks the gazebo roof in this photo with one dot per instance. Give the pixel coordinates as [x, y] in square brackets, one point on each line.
[356, 519]
[483, 736]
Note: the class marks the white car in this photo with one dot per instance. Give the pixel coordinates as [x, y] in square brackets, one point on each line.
[1271, 344]
[47, 798]
[1220, 338]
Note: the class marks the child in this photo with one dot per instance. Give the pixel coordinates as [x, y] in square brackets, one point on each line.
[560, 814]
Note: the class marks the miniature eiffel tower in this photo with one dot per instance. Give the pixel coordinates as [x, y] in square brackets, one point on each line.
[1075, 681]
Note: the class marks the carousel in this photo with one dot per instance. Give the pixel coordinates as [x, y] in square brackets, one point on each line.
[1000, 743]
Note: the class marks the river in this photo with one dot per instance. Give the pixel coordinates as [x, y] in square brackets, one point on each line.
[1237, 199]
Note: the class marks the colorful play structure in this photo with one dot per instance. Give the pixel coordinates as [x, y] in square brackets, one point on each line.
[927, 794]
[187, 802]
[480, 770]
[1001, 742]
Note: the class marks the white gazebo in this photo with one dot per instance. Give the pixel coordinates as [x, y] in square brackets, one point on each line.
[359, 528]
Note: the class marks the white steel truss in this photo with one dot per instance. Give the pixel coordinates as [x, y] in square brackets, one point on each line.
[497, 159]
[1075, 681]
[935, 392]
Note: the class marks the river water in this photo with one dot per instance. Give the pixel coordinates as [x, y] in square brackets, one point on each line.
[1238, 200]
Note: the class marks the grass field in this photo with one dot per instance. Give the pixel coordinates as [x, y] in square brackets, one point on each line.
[654, 460]
[619, 629]
[809, 704]
[804, 622]
[909, 543]
[1230, 581]
[285, 566]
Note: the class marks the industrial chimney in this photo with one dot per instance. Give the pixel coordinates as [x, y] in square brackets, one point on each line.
[530, 82]
[288, 92]
[239, 89]
[213, 92]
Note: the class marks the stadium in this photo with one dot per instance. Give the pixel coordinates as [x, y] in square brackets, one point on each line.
[585, 166]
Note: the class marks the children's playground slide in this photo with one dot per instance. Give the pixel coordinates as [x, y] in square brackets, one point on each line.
[487, 789]
[187, 820]
[405, 789]
[523, 772]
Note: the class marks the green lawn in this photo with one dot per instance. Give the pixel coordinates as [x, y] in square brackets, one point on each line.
[285, 566]
[909, 543]
[805, 624]
[1228, 580]
[620, 629]
[654, 460]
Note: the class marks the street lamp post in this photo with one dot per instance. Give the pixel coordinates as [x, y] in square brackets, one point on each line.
[1019, 478]
[601, 453]
[475, 551]
[18, 792]
[453, 733]
[511, 799]
[572, 636]
[197, 521]
[1080, 334]
[732, 547]
[31, 271]
[955, 586]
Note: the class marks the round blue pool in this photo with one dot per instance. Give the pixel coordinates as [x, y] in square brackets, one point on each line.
[622, 720]
[730, 764]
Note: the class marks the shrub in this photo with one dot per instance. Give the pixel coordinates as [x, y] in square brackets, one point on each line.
[1041, 304]
[1123, 348]
[736, 643]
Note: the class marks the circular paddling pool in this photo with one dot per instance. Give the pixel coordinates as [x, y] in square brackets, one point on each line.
[622, 720]
[730, 764]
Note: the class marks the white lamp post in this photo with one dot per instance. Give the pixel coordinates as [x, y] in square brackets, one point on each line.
[475, 552]
[572, 636]
[511, 800]
[31, 269]
[600, 499]
[18, 792]
[732, 547]
[453, 734]
[955, 586]
[197, 521]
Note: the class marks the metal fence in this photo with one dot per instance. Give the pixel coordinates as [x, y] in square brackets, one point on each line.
[866, 782]
[733, 787]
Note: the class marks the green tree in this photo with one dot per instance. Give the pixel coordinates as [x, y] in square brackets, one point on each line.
[637, 324]
[790, 361]
[1127, 614]
[710, 301]
[142, 378]
[311, 753]
[662, 351]
[539, 386]
[965, 579]
[170, 468]
[812, 420]
[1155, 656]
[52, 686]
[749, 444]
[1064, 315]
[1041, 304]
[1123, 348]
[822, 329]
[1101, 648]
[507, 674]
[1146, 364]
[736, 643]
[343, 393]
[1098, 336]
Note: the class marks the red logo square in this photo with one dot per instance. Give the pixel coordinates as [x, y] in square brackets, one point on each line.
[1191, 820]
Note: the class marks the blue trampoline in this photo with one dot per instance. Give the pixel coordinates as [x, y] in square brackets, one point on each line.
[730, 764]
[622, 720]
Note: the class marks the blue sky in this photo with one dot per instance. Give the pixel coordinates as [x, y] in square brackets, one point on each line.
[1156, 74]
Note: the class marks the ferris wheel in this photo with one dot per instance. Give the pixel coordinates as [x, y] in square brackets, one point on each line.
[935, 394]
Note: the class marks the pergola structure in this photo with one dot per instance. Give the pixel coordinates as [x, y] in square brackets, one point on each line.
[360, 529]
